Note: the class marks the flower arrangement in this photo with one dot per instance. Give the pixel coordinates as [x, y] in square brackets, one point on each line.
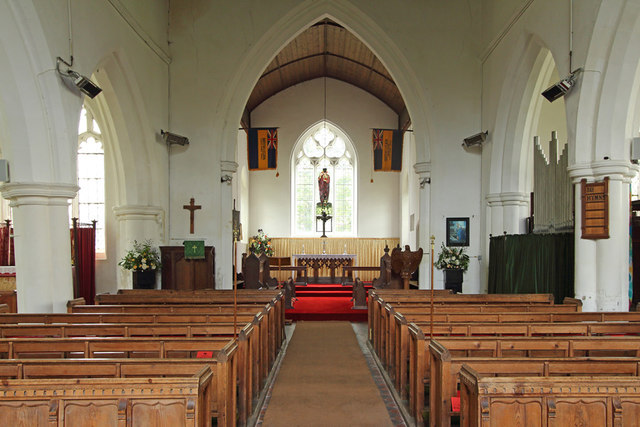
[452, 259]
[141, 257]
[261, 243]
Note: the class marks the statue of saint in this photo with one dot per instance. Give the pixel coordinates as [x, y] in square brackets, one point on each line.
[323, 185]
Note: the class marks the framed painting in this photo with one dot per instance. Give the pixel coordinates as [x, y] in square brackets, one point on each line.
[458, 231]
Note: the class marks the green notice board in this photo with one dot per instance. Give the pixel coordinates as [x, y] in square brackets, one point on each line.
[193, 249]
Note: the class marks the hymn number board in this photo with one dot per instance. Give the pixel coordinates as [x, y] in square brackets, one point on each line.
[595, 209]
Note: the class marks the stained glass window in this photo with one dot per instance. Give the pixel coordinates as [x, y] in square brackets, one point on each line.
[324, 146]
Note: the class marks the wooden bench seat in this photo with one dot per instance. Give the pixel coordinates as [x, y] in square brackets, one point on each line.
[223, 359]
[548, 401]
[396, 358]
[445, 368]
[252, 359]
[383, 322]
[272, 332]
[177, 401]
[499, 347]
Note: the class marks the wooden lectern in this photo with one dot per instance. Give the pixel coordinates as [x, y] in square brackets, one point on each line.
[189, 274]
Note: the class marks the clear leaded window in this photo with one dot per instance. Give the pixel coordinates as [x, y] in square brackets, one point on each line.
[324, 146]
[89, 204]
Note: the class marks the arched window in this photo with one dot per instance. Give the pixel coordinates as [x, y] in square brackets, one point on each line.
[324, 146]
[89, 204]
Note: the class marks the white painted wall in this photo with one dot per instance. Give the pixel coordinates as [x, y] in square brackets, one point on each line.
[354, 111]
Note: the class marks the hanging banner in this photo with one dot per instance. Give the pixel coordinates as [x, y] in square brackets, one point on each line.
[262, 148]
[387, 150]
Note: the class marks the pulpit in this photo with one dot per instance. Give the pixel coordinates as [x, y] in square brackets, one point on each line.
[189, 274]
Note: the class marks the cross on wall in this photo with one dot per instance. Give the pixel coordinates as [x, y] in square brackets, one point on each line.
[191, 207]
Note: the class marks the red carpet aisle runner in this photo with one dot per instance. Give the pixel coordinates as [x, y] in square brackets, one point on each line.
[325, 302]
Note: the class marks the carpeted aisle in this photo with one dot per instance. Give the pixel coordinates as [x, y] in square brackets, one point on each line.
[324, 380]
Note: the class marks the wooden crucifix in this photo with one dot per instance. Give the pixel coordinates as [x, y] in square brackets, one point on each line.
[191, 207]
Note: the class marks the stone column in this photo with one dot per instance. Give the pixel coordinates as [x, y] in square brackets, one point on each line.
[42, 244]
[514, 207]
[141, 223]
[602, 266]
[224, 251]
[424, 224]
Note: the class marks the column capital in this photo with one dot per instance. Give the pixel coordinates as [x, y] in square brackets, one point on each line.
[228, 166]
[38, 193]
[423, 169]
[139, 212]
[510, 198]
[616, 170]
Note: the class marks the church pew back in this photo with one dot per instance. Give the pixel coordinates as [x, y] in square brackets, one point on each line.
[224, 356]
[499, 347]
[383, 323]
[179, 401]
[396, 357]
[274, 320]
[549, 401]
[444, 369]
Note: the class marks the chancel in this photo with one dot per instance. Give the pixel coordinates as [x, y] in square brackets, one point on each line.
[320, 135]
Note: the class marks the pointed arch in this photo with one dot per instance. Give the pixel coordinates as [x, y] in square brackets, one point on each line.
[121, 111]
[518, 117]
[289, 26]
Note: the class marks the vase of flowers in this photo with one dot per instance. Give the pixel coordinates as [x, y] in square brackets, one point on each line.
[454, 262]
[143, 260]
[261, 244]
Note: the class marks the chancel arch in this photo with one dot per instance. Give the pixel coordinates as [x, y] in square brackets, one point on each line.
[357, 21]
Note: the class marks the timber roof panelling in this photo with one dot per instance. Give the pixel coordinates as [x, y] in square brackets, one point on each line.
[327, 50]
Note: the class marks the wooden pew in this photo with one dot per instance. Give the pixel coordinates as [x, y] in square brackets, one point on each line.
[549, 401]
[10, 299]
[498, 347]
[272, 333]
[445, 368]
[250, 357]
[177, 401]
[397, 356]
[224, 360]
[383, 324]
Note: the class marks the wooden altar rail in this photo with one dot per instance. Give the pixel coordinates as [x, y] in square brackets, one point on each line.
[368, 250]
[445, 369]
[179, 401]
[549, 401]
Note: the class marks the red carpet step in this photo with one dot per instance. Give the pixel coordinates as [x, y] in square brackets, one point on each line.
[325, 302]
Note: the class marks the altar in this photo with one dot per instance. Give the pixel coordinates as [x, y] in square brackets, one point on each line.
[330, 261]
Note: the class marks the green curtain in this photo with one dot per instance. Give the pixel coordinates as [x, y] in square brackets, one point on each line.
[532, 263]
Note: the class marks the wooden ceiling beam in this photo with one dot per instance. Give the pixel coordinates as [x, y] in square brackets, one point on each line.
[315, 55]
